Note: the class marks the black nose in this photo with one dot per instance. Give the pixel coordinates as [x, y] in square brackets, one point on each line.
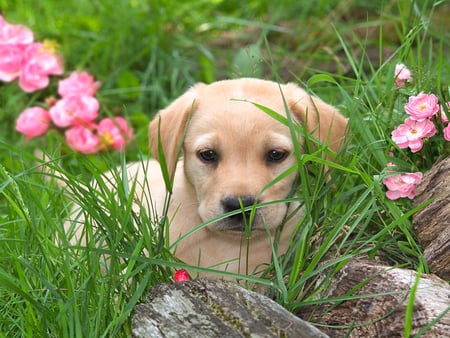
[237, 202]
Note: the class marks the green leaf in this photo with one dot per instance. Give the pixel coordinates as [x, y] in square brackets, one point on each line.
[317, 78]
[208, 73]
[248, 62]
[127, 80]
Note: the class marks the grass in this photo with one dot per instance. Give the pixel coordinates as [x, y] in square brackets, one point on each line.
[146, 53]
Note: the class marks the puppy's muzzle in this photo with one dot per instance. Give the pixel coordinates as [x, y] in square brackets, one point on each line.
[233, 203]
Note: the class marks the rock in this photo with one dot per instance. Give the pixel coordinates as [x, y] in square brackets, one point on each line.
[380, 300]
[214, 308]
[432, 223]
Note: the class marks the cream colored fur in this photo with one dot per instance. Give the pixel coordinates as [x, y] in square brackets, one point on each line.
[249, 149]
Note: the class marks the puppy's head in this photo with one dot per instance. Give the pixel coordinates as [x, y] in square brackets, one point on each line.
[233, 150]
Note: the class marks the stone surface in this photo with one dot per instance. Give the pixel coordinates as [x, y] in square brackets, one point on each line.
[381, 295]
[432, 223]
[215, 308]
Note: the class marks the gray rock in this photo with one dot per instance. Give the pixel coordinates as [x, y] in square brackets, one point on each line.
[215, 308]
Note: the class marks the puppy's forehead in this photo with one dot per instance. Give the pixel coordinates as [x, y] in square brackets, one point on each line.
[231, 93]
[231, 103]
[213, 138]
[238, 118]
[227, 109]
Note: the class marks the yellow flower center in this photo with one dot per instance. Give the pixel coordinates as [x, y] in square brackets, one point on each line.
[422, 107]
[107, 139]
[49, 47]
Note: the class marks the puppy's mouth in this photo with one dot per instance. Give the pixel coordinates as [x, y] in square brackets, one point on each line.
[242, 217]
[242, 222]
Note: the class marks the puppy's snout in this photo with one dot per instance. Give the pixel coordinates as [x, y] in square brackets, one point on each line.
[237, 202]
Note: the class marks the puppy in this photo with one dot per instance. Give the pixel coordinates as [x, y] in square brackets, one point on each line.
[222, 153]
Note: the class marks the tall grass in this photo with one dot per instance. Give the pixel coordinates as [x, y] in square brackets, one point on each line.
[146, 53]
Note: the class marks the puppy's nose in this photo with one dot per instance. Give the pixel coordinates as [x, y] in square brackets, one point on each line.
[237, 202]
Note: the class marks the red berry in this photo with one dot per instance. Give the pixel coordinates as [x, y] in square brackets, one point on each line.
[181, 276]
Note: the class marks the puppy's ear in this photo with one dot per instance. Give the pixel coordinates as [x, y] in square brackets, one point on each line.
[322, 120]
[168, 127]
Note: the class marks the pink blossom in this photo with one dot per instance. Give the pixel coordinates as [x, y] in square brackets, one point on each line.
[13, 42]
[422, 106]
[446, 132]
[14, 34]
[401, 74]
[73, 110]
[402, 185]
[33, 122]
[78, 84]
[444, 112]
[82, 139]
[114, 133]
[411, 133]
[41, 61]
[12, 60]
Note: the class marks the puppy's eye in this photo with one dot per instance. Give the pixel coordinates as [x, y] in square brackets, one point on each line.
[208, 156]
[275, 156]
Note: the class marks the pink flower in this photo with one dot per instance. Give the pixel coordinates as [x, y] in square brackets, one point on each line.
[181, 275]
[12, 60]
[402, 185]
[22, 58]
[82, 139]
[401, 74]
[13, 42]
[78, 84]
[73, 110]
[14, 34]
[41, 61]
[446, 132]
[422, 106]
[411, 133]
[33, 122]
[443, 112]
[114, 133]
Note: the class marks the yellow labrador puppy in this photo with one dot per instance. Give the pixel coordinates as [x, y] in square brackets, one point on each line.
[223, 152]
